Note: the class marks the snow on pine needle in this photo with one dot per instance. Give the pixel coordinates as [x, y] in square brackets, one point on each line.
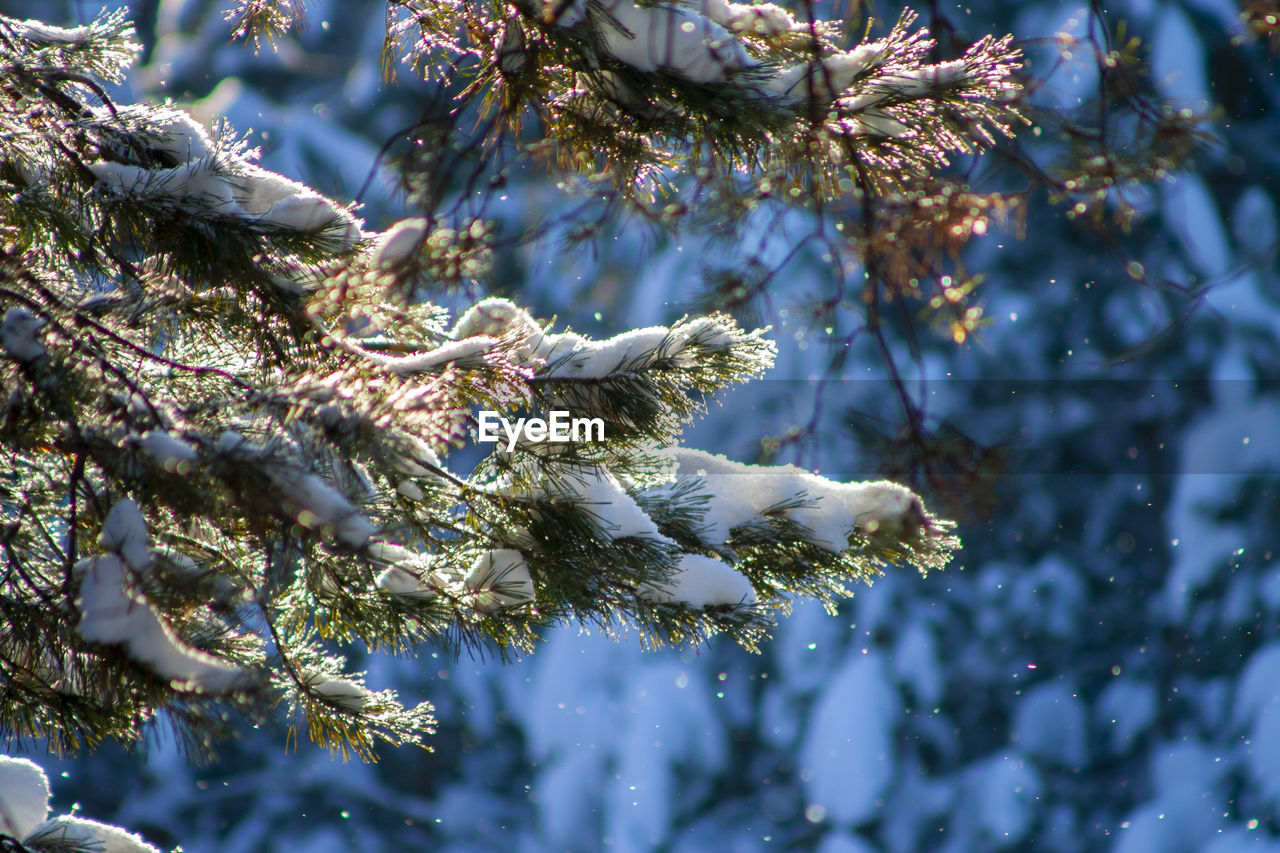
[500, 578]
[644, 383]
[698, 581]
[827, 512]
[20, 335]
[113, 613]
[168, 451]
[24, 816]
[342, 692]
[189, 171]
[495, 323]
[625, 86]
[105, 47]
[261, 468]
[24, 796]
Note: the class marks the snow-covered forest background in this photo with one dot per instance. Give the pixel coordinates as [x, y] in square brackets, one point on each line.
[1100, 668]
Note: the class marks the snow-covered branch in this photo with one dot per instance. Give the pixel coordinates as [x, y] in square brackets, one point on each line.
[215, 181]
[500, 578]
[24, 816]
[776, 63]
[698, 582]
[113, 612]
[828, 512]
[496, 325]
[189, 329]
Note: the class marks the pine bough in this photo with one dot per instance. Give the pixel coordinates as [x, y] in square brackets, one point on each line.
[225, 435]
[644, 91]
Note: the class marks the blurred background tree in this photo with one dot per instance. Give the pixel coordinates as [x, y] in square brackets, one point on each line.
[1075, 356]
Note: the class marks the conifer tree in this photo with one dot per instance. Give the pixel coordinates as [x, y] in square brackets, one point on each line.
[230, 408]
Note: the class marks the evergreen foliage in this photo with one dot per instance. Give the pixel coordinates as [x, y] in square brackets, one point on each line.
[229, 407]
[1099, 676]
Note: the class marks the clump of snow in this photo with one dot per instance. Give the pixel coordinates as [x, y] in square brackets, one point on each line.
[125, 532]
[197, 184]
[353, 530]
[225, 184]
[178, 134]
[398, 581]
[702, 43]
[410, 490]
[112, 615]
[874, 123]
[863, 113]
[261, 189]
[317, 505]
[38, 31]
[493, 323]
[708, 333]
[446, 353]
[231, 442]
[765, 19]
[598, 492]
[389, 552]
[702, 46]
[24, 796]
[825, 80]
[917, 82]
[83, 834]
[172, 454]
[502, 577]
[398, 242]
[571, 356]
[403, 575]
[698, 582]
[272, 198]
[24, 815]
[496, 317]
[341, 692]
[739, 494]
[675, 40]
[18, 333]
[310, 211]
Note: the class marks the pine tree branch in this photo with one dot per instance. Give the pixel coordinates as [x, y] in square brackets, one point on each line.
[249, 378]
